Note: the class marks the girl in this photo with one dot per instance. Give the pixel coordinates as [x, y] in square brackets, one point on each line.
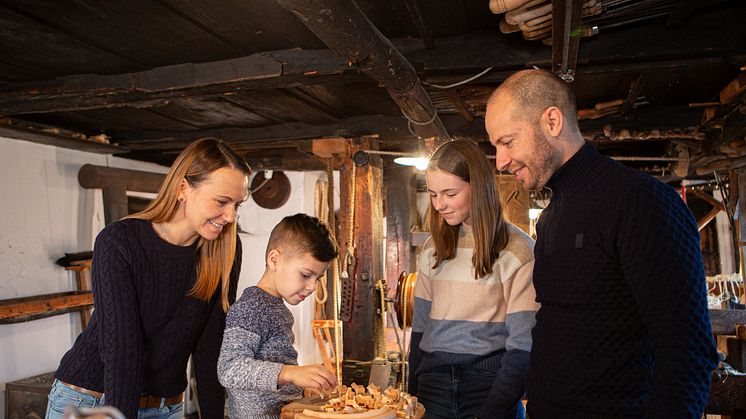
[474, 299]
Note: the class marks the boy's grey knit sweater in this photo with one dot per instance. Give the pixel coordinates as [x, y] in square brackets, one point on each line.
[258, 341]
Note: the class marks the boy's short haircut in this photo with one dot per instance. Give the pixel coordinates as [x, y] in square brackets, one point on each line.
[302, 233]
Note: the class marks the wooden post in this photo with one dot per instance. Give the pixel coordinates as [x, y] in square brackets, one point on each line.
[514, 200]
[360, 341]
[741, 175]
[566, 17]
[401, 214]
[82, 269]
[115, 183]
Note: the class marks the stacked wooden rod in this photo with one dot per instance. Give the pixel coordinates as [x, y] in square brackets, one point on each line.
[533, 17]
[608, 133]
[601, 109]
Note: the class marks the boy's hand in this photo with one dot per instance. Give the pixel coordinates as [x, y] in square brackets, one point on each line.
[314, 376]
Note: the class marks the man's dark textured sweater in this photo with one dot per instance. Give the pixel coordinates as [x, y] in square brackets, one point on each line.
[144, 326]
[623, 329]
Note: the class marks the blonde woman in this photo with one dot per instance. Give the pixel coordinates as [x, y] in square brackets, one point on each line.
[474, 299]
[162, 281]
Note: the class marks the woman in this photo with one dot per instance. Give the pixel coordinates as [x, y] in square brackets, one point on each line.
[162, 282]
[474, 299]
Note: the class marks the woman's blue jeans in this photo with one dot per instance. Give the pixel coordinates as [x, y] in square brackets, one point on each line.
[61, 396]
[458, 392]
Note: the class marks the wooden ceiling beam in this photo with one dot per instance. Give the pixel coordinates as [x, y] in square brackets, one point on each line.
[344, 28]
[347, 128]
[413, 7]
[450, 59]
[160, 85]
[285, 163]
[391, 129]
[681, 13]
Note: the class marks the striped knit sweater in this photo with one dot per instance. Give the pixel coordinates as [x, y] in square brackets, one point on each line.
[258, 341]
[460, 320]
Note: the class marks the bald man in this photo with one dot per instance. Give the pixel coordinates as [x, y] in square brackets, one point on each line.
[623, 330]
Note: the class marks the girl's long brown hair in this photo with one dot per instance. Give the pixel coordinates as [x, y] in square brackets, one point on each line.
[464, 159]
[214, 257]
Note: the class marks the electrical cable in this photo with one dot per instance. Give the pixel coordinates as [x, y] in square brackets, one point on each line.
[449, 86]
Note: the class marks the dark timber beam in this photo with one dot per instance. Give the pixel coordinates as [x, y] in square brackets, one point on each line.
[115, 183]
[724, 321]
[160, 85]
[681, 13]
[451, 59]
[566, 16]
[419, 22]
[284, 163]
[389, 128]
[343, 27]
[347, 128]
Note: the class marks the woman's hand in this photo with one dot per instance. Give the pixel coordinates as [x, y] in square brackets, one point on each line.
[313, 376]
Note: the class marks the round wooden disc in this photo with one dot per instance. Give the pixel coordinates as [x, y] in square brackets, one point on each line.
[405, 287]
[270, 193]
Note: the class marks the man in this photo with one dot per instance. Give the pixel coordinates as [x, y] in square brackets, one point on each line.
[623, 329]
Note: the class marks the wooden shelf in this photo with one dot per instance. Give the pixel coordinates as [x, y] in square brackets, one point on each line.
[41, 137]
[25, 309]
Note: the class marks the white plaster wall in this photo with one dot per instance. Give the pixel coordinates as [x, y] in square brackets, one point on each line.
[45, 213]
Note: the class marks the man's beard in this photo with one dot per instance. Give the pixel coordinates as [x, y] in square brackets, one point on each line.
[544, 163]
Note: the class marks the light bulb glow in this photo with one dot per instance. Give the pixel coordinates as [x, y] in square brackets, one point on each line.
[419, 162]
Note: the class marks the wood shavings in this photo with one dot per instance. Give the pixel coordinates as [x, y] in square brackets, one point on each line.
[358, 399]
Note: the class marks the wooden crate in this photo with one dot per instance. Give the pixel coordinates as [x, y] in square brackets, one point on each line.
[27, 398]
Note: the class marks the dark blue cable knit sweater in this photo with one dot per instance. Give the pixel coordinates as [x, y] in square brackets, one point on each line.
[623, 330]
[144, 326]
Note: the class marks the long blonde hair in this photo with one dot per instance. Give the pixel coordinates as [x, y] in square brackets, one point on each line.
[215, 257]
[464, 159]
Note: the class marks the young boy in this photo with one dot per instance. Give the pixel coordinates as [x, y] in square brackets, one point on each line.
[258, 365]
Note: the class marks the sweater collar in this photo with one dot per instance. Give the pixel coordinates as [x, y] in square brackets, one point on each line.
[464, 231]
[580, 170]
